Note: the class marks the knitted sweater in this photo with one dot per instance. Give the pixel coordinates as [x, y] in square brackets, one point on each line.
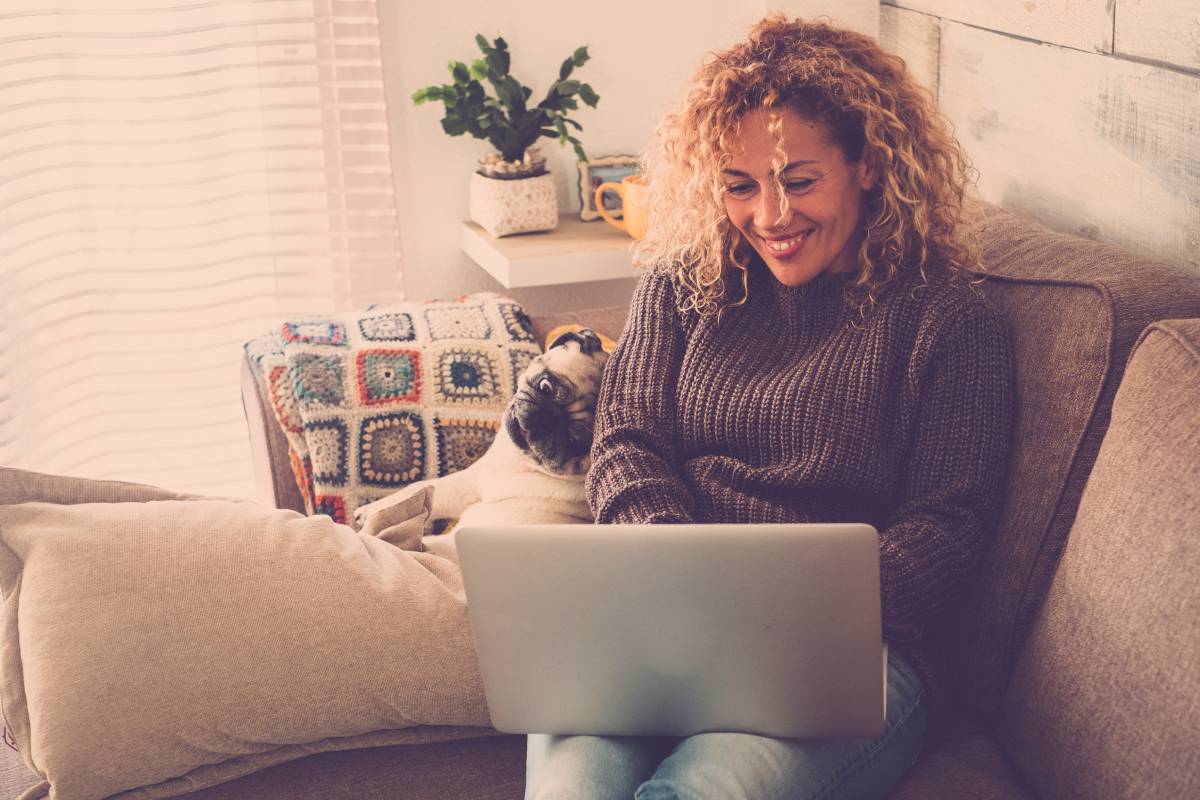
[791, 409]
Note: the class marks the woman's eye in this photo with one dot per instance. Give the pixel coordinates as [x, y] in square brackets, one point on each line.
[740, 189]
[800, 186]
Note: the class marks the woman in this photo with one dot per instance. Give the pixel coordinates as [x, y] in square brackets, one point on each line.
[803, 348]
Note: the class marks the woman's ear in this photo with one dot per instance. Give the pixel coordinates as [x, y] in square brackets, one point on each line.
[865, 175]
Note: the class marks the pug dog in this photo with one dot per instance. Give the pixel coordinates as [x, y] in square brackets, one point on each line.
[534, 469]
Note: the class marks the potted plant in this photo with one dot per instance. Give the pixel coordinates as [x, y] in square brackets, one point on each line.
[512, 191]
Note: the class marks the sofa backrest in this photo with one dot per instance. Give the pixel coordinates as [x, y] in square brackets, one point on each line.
[1105, 699]
[608, 321]
[1075, 308]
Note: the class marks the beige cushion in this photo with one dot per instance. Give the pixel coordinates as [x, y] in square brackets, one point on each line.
[175, 644]
[1074, 309]
[22, 486]
[1105, 700]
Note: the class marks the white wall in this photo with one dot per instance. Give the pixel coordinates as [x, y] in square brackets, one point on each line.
[643, 52]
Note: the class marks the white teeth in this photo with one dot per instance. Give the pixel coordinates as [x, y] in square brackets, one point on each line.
[781, 246]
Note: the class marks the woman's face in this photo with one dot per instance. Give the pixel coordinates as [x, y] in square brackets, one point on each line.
[823, 226]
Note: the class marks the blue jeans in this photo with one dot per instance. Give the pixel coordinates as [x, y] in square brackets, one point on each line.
[725, 766]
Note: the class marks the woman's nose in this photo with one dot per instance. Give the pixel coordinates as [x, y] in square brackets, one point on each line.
[767, 214]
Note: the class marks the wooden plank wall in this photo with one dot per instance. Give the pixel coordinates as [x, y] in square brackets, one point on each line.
[1092, 134]
[1163, 30]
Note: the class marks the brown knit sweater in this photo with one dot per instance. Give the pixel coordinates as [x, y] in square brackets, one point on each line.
[788, 411]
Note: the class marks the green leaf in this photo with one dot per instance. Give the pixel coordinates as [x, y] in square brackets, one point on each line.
[501, 44]
[461, 74]
[479, 69]
[566, 87]
[565, 70]
[454, 127]
[580, 56]
[499, 60]
[503, 95]
[513, 96]
[420, 96]
[482, 42]
[573, 124]
[582, 156]
[587, 95]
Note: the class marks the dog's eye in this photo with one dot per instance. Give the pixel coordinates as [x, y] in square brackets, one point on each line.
[545, 386]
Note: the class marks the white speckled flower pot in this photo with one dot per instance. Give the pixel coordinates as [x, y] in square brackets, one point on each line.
[524, 205]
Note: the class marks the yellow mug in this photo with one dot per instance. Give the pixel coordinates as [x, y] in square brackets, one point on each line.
[635, 206]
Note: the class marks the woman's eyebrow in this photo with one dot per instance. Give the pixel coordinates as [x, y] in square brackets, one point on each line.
[737, 173]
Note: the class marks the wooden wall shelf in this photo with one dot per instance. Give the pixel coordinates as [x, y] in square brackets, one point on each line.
[574, 252]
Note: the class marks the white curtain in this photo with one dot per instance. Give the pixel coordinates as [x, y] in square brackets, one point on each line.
[175, 178]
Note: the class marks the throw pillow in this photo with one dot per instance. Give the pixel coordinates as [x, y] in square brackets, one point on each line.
[168, 645]
[373, 400]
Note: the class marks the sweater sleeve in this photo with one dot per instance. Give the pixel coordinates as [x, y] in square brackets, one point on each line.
[953, 474]
[633, 477]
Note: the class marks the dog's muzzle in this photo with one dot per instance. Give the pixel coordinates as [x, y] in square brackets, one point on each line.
[544, 429]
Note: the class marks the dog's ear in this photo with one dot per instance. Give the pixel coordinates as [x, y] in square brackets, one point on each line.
[589, 342]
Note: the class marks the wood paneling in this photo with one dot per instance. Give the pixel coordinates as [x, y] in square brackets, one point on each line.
[1093, 145]
[1081, 24]
[915, 37]
[1165, 30]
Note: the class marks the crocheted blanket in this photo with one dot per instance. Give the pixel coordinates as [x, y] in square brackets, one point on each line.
[373, 400]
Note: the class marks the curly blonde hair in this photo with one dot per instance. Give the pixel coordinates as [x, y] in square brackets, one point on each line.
[865, 101]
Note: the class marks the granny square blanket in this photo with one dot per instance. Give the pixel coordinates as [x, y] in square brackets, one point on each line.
[373, 400]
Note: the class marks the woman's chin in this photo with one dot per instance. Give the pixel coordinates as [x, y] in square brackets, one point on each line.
[797, 271]
[790, 274]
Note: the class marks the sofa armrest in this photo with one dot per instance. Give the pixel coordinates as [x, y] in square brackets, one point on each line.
[1103, 700]
[273, 478]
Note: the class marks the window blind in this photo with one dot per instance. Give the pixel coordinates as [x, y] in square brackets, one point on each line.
[176, 178]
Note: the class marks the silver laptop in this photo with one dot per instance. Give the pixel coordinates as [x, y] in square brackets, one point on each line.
[678, 629]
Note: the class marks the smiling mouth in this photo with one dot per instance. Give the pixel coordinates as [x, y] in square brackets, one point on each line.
[785, 246]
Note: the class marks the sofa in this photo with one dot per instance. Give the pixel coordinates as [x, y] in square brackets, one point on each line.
[1076, 648]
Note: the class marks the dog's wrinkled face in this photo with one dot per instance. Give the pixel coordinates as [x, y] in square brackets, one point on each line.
[551, 417]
